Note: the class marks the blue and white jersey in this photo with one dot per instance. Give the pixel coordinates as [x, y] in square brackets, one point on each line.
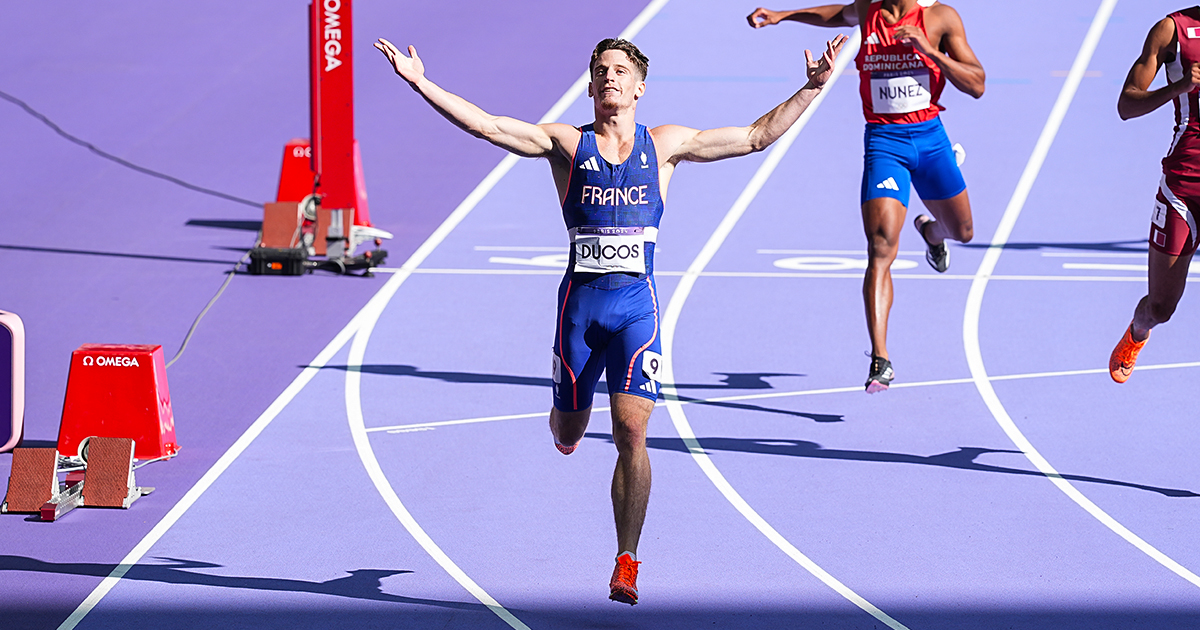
[612, 213]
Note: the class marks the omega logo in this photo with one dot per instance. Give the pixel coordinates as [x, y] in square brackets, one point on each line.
[111, 361]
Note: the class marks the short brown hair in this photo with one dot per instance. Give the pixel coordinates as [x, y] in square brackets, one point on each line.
[640, 61]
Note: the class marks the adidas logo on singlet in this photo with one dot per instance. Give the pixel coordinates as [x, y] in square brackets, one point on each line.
[889, 183]
[873, 38]
[590, 164]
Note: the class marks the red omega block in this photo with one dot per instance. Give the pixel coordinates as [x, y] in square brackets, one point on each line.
[118, 391]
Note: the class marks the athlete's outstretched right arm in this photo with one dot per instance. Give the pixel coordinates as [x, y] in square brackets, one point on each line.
[833, 15]
[1136, 99]
[516, 136]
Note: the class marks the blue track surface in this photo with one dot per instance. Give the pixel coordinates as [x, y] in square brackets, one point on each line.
[394, 468]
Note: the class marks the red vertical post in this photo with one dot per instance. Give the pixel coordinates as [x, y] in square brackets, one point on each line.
[335, 160]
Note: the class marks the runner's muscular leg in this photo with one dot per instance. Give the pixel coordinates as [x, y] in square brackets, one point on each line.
[631, 478]
[953, 219]
[883, 217]
[1168, 276]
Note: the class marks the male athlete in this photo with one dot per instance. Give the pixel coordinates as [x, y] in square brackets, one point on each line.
[1174, 42]
[910, 48]
[612, 177]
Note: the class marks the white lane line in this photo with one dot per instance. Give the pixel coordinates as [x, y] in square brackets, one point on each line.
[1141, 255]
[775, 274]
[405, 428]
[828, 252]
[671, 319]
[210, 477]
[374, 310]
[992, 257]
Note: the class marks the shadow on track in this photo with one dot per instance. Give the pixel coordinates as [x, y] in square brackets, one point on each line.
[1130, 247]
[365, 584]
[962, 458]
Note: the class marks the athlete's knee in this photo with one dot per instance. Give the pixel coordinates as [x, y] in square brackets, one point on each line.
[881, 248]
[629, 434]
[965, 232]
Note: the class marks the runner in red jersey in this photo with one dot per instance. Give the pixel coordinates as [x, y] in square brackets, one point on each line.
[910, 49]
[1175, 43]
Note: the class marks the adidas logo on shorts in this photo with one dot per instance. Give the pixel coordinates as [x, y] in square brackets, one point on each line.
[648, 386]
[889, 183]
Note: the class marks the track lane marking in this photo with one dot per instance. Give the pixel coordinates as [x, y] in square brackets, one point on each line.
[988, 265]
[671, 319]
[776, 274]
[401, 428]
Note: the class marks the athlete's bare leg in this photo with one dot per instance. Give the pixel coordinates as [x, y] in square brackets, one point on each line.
[883, 218]
[953, 220]
[631, 479]
[568, 427]
[1168, 276]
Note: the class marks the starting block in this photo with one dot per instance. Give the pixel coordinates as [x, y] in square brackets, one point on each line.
[118, 391]
[12, 381]
[107, 480]
[33, 481]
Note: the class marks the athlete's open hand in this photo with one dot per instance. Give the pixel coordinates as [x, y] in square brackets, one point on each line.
[764, 17]
[410, 69]
[820, 71]
[913, 36]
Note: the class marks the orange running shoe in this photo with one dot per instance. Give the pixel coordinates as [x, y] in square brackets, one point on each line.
[623, 585]
[1120, 364]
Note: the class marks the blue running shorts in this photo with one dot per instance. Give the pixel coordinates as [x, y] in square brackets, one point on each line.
[897, 156]
[615, 331]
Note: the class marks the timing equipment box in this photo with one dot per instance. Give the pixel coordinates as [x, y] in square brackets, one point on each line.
[12, 380]
[274, 261]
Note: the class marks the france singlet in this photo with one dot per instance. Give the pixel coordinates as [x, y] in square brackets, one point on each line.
[608, 312]
[612, 212]
[897, 83]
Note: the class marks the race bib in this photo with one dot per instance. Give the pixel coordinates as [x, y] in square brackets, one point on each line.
[900, 92]
[652, 365]
[610, 249]
[1159, 217]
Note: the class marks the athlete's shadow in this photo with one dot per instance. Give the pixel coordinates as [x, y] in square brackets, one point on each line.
[732, 381]
[1132, 247]
[359, 584]
[740, 406]
[962, 458]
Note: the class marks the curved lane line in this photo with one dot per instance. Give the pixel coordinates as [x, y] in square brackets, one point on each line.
[671, 319]
[374, 309]
[335, 345]
[988, 265]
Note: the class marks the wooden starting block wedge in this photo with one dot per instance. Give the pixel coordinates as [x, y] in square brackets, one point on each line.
[33, 481]
[109, 481]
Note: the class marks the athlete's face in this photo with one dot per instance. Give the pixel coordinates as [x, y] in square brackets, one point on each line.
[615, 81]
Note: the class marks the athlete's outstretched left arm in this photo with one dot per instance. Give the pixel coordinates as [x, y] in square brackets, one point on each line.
[952, 53]
[676, 144]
